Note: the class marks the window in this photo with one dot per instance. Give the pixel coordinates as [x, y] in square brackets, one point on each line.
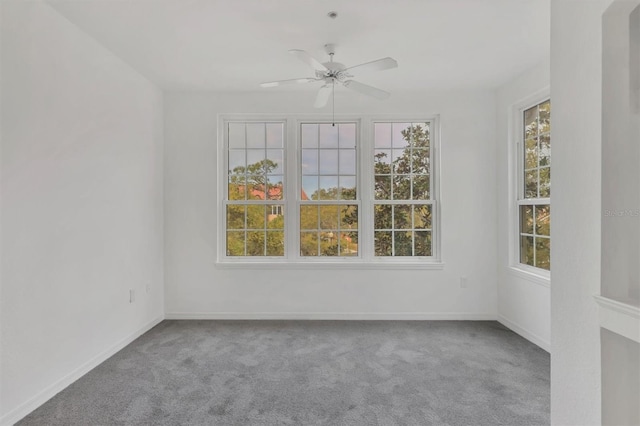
[309, 191]
[255, 189]
[328, 213]
[534, 193]
[402, 208]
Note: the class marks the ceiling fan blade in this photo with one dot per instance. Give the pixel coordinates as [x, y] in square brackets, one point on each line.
[377, 65]
[323, 96]
[292, 81]
[308, 59]
[366, 89]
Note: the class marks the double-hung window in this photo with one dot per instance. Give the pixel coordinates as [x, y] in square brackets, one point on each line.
[534, 188]
[301, 190]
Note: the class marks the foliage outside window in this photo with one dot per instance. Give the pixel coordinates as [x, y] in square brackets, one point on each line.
[534, 206]
[402, 210]
[328, 214]
[256, 188]
[303, 200]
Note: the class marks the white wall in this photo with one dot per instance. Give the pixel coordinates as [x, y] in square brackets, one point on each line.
[81, 204]
[576, 93]
[523, 302]
[196, 288]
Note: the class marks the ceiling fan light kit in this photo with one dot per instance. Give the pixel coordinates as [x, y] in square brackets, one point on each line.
[332, 73]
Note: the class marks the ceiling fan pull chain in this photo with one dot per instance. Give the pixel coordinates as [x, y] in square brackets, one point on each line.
[333, 102]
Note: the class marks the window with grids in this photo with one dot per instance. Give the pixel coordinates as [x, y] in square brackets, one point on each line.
[403, 206]
[534, 205]
[300, 189]
[255, 198]
[329, 194]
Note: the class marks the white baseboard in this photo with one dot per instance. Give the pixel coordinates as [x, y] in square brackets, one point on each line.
[418, 316]
[532, 337]
[49, 392]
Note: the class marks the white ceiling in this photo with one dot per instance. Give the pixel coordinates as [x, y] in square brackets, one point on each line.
[232, 45]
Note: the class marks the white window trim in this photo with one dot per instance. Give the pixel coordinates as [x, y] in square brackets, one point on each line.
[516, 182]
[365, 151]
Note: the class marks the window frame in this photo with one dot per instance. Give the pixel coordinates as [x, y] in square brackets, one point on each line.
[292, 200]
[516, 188]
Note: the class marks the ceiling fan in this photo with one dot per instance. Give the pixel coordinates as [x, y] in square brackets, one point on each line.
[331, 73]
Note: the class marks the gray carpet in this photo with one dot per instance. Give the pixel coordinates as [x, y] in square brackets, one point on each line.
[312, 373]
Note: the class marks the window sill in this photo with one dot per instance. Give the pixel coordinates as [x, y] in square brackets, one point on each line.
[284, 265]
[531, 275]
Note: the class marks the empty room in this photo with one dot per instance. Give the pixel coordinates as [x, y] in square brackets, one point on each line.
[320, 212]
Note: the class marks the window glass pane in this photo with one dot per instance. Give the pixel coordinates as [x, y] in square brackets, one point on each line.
[530, 154]
[309, 161]
[328, 217]
[531, 123]
[275, 243]
[382, 216]
[402, 243]
[526, 250]
[402, 216]
[420, 136]
[235, 243]
[401, 187]
[348, 244]
[347, 161]
[543, 253]
[328, 243]
[256, 135]
[328, 188]
[401, 134]
[328, 162]
[420, 161]
[328, 136]
[275, 216]
[545, 117]
[309, 187]
[526, 220]
[383, 243]
[422, 243]
[420, 188]
[545, 182]
[275, 187]
[237, 188]
[235, 217]
[347, 135]
[309, 135]
[422, 216]
[275, 161]
[308, 244]
[349, 217]
[255, 161]
[382, 161]
[545, 150]
[531, 184]
[236, 135]
[255, 243]
[348, 187]
[382, 135]
[309, 217]
[237, 161]
[255, 216]
[275, 138]
[382, 187]
[543, 219]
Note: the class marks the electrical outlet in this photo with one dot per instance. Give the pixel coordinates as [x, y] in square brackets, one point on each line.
[463, 282]
[148, 288]
[132, 296]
